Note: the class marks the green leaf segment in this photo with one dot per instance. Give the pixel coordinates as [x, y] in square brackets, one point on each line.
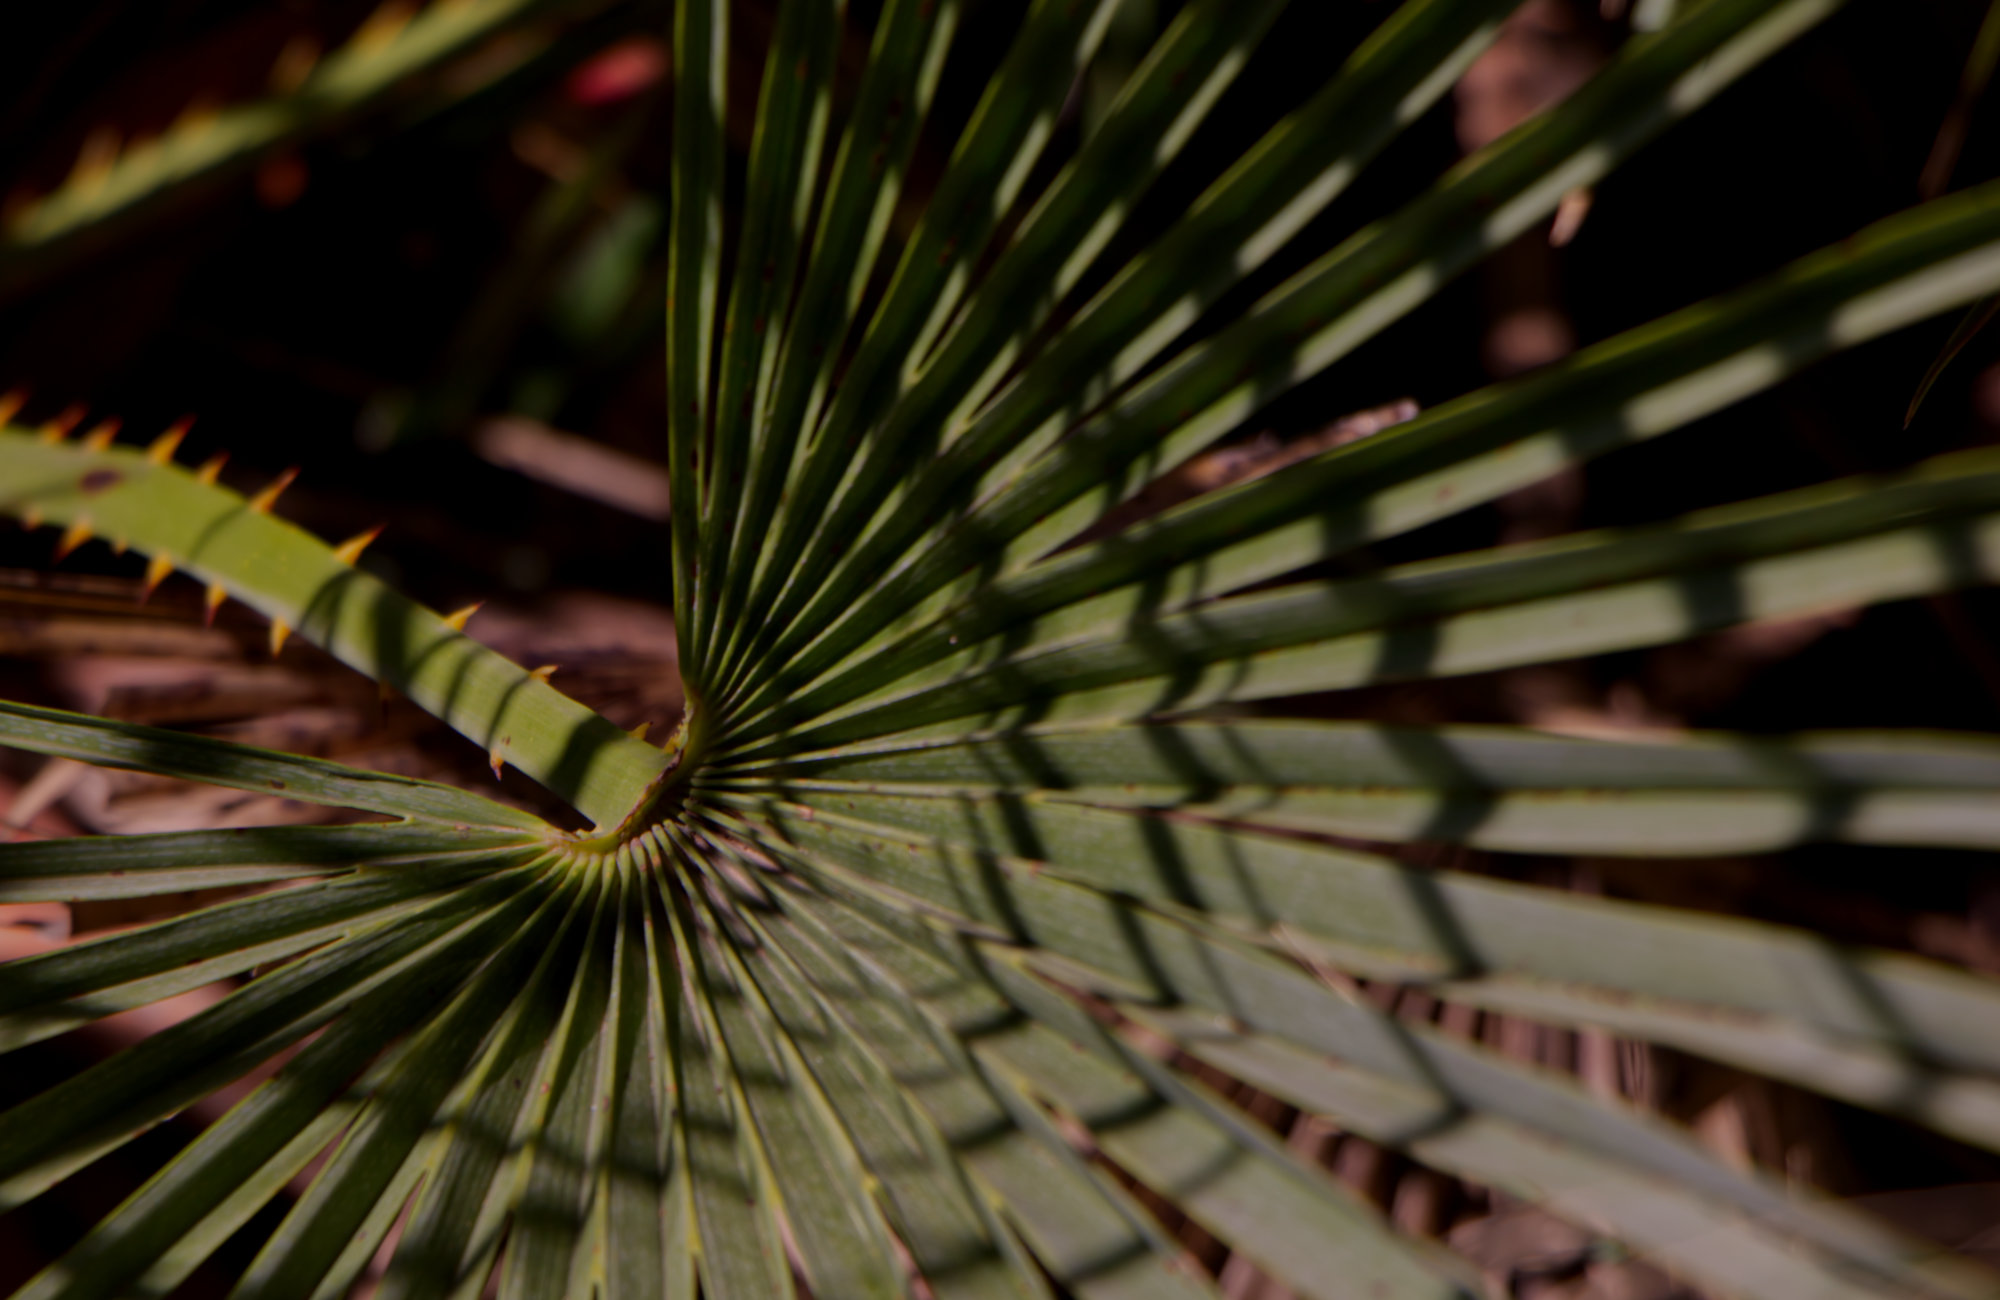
[919, 946]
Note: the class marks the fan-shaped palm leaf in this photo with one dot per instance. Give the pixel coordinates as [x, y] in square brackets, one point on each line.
[917, 949]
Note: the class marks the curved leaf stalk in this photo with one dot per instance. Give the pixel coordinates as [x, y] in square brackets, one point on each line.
[182, 519]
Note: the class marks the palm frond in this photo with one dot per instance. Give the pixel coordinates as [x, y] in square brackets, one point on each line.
[917, 962]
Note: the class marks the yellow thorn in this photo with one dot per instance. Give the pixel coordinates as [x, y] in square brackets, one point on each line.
[457, 619]
[196, 118]
[543, 673]
[31, 518]
[60, 427]
[495, 761]
[94, 160]
[11, 403]
[382, 26]
[74, 536]
[212, 601]
[211, 467]
[120, 545]
[161, 450]
[100, 437]
[264, 500]
[280, 630]
[350, 550]
[157, 570]
[294, 64]
[639, 732]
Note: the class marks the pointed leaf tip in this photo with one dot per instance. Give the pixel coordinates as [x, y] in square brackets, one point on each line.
[349, 551]
[264, 500]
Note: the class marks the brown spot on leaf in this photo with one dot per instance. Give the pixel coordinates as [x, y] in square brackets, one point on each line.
[100, 479]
